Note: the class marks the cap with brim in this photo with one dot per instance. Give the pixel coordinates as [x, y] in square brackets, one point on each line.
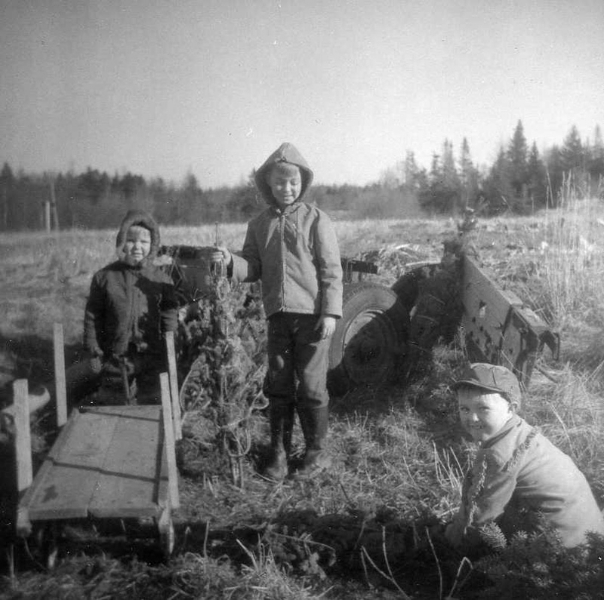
[492, 378]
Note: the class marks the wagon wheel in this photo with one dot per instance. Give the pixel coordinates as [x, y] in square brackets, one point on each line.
[167, 536]
[369, 338]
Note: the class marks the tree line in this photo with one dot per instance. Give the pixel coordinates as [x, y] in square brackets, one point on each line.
[520, 181]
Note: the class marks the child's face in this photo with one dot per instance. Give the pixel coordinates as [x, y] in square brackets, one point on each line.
[285, 184]
[482, 413]
[138, 244]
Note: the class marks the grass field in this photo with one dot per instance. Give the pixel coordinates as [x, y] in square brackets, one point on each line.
[399, 453]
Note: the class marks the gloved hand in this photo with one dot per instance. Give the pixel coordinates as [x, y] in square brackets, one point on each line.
[227, 257]
[95, 357]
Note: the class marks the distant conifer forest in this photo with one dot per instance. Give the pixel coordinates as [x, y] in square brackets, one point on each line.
[520, 181]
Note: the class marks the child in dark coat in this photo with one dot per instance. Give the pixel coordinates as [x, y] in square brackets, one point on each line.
[519, 479]
[132, 304]
[292, 248]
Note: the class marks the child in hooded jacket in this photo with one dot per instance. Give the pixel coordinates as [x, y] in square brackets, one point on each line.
[519, 479]
[291, 247]
[131, 305]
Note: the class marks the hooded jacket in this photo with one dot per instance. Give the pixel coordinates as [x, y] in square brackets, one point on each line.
[524, 483]
[294, 251]
[130, 306]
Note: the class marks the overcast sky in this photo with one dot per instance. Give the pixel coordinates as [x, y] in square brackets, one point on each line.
[168, 87]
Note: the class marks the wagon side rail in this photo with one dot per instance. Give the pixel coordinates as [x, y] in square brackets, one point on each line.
[499, 328]
[23, 451]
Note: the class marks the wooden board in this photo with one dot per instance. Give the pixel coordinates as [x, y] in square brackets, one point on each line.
[130, 475]
[107, 462]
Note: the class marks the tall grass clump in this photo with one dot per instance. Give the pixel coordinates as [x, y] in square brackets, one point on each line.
[573, 261]
[569, 412]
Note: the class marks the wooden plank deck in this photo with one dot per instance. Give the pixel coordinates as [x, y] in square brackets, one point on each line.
[108, 462]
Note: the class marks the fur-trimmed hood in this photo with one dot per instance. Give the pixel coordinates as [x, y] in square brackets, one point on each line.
[288, 153]
[143, 219]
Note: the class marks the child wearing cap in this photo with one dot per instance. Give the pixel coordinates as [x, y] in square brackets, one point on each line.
[131, 305]
[519, 479]
[292, 249]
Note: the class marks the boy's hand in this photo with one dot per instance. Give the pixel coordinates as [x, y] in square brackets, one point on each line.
[96, 364]
[95, 359]
[326, 326]
[226, 255]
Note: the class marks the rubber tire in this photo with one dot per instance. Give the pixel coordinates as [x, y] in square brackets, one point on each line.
[369, 339]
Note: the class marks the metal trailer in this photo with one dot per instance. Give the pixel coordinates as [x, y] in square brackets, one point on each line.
[108, 464]
[499, 328]
[371, 341]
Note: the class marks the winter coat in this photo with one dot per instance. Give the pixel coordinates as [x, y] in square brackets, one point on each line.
[524, 483]
[294, 252]
[130, 306]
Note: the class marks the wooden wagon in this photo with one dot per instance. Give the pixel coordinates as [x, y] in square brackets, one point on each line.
[114, 463]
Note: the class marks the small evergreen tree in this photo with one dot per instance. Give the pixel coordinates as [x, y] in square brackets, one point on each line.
[7, 184]
[517, 161]
[411, 172]
[468, 176]
[572, 153]
[536, 179]
[245, 202]
[441, 193]
[498, 192]
[595, 164]
[93, 185]
[555, 175]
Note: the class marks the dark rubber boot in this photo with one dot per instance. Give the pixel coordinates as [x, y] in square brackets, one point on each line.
[315, 423]
[276, 468]
[288, 428]
[280, 425]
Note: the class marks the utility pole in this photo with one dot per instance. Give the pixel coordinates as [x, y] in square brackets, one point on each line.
[53, 204]
[47, 223]
[51, 214]
[4, 217]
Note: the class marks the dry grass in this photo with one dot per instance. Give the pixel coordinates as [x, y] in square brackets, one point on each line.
[399, 454]
[573, 265]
